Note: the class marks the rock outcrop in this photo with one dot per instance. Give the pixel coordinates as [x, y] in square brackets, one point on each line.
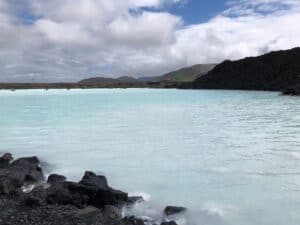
[90, 201]
[275, 71]
[171, 210]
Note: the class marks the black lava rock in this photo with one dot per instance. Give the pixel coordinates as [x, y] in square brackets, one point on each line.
[56, 179]
[9, 185]
[275, 71]
[171, 210]
[5, 160]
[89, 202]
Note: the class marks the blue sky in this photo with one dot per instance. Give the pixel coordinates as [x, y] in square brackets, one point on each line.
[198, 11]
[68, 40]
[194, 11]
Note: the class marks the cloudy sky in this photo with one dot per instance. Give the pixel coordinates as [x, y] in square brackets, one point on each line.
[67, 40]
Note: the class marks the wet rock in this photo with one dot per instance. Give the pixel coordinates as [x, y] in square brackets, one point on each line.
[91, 179]
[171, 210]
[81, 195]
[55, 179]
[98, 191]
[110, 197]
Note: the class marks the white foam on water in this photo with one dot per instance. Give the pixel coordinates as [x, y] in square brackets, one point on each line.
[146, 196]
[210, 214]
[218, 209]
[27, 188]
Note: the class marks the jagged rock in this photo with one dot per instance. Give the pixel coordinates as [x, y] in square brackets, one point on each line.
[26, 162]
[56, 178]
[171, 210]
[91, 179]
[99, 192]
[27, 169]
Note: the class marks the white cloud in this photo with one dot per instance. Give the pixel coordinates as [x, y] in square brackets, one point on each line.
[233, 37]
[144, 29]
[64, 33]
[70, 40]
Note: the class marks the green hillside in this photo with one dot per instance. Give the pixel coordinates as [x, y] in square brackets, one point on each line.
[186, 74]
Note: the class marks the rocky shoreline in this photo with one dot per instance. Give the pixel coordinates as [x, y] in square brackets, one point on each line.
[26, 198]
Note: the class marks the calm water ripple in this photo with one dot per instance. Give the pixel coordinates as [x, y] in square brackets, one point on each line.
[231, 157]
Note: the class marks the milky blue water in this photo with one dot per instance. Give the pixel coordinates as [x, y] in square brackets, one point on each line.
[231, 157]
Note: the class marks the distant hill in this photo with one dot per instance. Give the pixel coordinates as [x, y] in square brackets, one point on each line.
[274, 71]
[186, 74]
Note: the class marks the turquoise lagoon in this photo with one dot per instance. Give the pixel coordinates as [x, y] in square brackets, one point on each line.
[231, 157]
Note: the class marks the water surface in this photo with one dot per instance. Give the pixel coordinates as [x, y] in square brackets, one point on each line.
[231, 157]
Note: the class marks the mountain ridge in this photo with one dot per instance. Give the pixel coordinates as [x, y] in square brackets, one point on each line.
[185, 74]
[274, 71]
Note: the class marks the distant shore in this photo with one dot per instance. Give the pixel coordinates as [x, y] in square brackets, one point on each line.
[18, 86]
[294, 91]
